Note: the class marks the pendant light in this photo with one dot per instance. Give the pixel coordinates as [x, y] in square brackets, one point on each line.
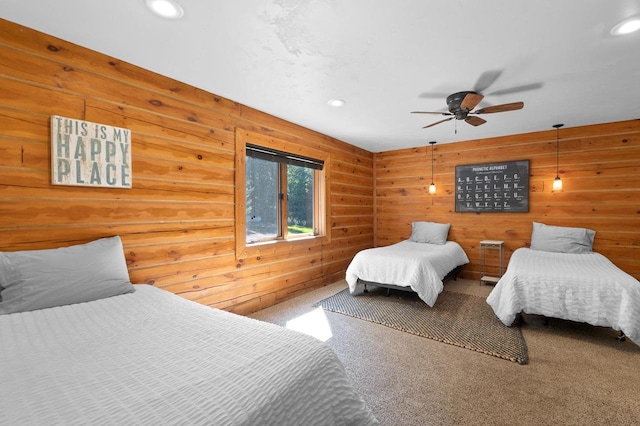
[557, 182]
[432, 187]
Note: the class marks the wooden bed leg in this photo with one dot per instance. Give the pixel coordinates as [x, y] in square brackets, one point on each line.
[621, 337]
[388, 292]
[366, 290]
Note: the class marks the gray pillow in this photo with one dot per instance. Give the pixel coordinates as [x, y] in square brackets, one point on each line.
[38, 279]
[429, 232]
[561, 239]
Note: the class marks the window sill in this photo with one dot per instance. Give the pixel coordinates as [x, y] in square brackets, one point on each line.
[288, 240]
[260, 248]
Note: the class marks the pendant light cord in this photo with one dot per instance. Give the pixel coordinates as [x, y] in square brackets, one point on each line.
[432, 186]
[557, 127]
[432, 143]
[557, 150]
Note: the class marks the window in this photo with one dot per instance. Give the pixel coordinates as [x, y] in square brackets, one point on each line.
[280, 192]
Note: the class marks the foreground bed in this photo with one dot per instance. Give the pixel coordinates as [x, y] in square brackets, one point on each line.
[584, 287]
[420, 266]
[147, 356]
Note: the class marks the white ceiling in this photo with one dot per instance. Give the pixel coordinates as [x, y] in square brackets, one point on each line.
[385, 58]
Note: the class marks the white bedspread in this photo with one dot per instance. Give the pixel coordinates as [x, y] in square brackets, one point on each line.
[579, 287]
[152, 358]
[420, 266]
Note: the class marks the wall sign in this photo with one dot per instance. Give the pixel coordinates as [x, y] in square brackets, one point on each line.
[89, 154]
[494, 187]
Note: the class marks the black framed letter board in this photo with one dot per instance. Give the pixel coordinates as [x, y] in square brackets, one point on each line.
[494, 187]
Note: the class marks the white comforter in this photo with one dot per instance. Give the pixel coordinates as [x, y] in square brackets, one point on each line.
[153, 358]
[420, 266]
[579, 287]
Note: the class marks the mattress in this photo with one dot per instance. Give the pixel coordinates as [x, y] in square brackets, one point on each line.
[585, 287]
[421, 266]
[151, 357]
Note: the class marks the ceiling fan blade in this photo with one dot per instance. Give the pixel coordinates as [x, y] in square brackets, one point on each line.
[438, 122]
[475, 121]
[486, 79]
[500, 108]
[509, 91]
[470, 101]
[431, 112]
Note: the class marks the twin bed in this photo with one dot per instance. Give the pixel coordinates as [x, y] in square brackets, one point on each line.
[561, 277]
[558, 277]
[419, 264]
[79, 344]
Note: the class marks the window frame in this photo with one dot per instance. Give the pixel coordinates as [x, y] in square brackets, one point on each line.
[321, 191]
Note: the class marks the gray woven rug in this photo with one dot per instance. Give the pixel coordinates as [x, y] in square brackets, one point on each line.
[457, 319]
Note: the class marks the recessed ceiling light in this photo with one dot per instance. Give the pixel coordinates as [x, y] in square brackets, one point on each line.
[336, 103]
[165, 8]
[626, 27]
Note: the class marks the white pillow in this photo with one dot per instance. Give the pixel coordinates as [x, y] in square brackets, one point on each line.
[37, 279]
[429, 232]
[561, 239]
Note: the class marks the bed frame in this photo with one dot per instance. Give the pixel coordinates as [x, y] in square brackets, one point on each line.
[452, 274]
[545, 321]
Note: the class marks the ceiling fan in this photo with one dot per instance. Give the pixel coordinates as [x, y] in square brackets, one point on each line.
[461, 105]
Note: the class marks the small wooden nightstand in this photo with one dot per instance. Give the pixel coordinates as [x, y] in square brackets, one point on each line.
[486, 271]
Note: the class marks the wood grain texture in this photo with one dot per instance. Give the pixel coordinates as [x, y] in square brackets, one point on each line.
[598, 164]
[177, 223]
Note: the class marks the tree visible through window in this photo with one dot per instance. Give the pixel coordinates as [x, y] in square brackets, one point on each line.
[300, 200]
[262, 200]
[279, 195]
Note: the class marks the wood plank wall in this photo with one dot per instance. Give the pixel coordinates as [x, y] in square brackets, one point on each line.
[599, 166]
[177, 223]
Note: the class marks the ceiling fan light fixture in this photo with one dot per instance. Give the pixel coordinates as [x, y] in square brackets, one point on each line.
[460, 107]
[626, 27]
[165, 8]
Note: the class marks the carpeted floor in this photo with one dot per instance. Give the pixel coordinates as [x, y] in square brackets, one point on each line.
[577, 374]
[456, 318]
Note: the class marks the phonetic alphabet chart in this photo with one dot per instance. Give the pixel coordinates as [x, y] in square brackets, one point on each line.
[494, 187]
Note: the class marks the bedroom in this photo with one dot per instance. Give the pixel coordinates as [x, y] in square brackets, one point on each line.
[178, 222]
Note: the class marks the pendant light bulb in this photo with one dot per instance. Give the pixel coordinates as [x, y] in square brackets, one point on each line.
[432, 188]
[557, 184]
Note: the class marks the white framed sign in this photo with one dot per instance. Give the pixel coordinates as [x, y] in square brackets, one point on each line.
[89, 154]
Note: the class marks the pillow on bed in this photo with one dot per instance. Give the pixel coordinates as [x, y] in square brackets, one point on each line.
[429, 232]
[38, 279]
[561, 239]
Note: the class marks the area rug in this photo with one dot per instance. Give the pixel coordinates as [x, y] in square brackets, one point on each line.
[457, 319]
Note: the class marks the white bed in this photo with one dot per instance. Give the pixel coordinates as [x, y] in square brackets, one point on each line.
[147, 356]
[583, 287]
[419, 266]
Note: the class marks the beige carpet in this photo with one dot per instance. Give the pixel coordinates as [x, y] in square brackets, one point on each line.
[457, 319]
[577, 374]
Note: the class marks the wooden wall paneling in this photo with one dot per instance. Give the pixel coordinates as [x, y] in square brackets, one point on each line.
[599, 166]
[177, 222]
